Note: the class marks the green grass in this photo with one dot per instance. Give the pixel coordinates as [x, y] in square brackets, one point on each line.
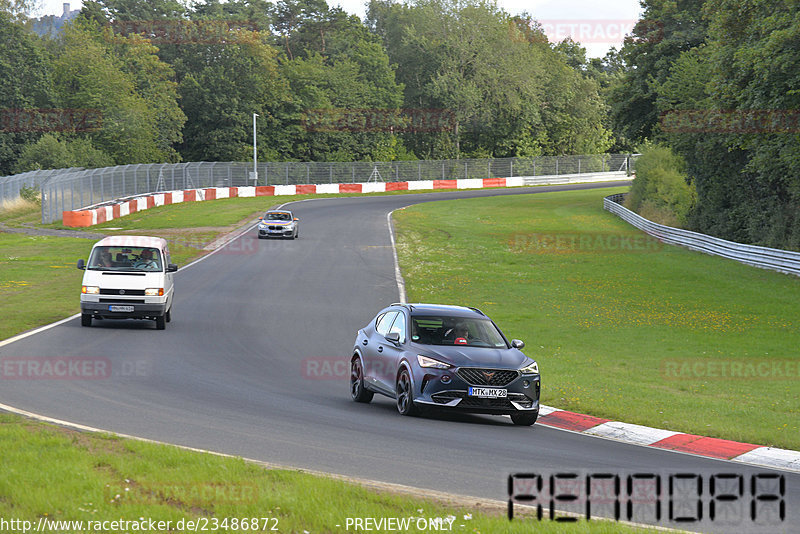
[39, 283]
[609, 327]
[62, 475]
[20, 211]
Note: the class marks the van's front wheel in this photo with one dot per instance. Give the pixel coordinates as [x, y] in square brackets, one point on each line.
[86, 319]
[161, 322]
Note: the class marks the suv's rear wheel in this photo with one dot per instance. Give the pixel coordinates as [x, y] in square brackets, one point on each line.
[357, 389]
[525, 418]
[405, 394]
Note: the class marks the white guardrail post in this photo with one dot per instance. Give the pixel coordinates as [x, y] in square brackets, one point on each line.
[783, 261]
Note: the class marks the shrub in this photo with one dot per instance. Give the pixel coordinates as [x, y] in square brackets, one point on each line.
[31, 194]
[661, 187]
[50, 152]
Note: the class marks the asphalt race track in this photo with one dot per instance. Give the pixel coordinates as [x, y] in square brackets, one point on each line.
[248, 366]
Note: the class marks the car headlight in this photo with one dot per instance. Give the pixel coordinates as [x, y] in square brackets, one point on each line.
[532, 369]
[424, 361]
[154, 292]
[90, 290]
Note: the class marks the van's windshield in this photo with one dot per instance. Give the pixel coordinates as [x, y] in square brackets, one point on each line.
[145, 259]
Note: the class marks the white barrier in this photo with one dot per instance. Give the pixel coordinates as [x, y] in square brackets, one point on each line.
[783, 261]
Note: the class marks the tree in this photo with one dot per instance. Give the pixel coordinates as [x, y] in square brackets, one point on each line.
[338, 72]
[50, 152]
[153, 81]
[667, 28]
[89, 77]
[221, 86]
[25, 83]
[495, 74]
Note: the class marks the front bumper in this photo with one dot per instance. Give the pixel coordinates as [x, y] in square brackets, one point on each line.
[444, 388]
[282, 232]
[140, 311]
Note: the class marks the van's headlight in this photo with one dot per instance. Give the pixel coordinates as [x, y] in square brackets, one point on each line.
[154, 292]
[532, 369]
[90, 290]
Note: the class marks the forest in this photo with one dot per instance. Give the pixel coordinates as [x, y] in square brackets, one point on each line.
[707, 90]
[163, 81]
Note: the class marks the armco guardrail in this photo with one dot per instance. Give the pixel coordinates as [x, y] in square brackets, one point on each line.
[783, 261]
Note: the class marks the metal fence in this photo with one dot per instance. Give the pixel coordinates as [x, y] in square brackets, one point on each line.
[71, 189]
[783, 261]
[11, 186]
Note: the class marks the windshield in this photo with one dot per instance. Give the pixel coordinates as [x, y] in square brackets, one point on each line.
[444, 330]
[144, 259]
[272, 216]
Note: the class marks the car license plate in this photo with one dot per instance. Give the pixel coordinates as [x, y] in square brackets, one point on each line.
[488, 393]
[275, 231]
[120, 308]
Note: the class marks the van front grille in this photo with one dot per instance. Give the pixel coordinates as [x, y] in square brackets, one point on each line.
[131, 292]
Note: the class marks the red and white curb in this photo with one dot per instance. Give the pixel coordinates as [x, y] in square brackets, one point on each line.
[97, 215]
[722, 449]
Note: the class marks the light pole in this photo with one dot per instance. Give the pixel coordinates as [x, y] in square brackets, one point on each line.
[255, 154]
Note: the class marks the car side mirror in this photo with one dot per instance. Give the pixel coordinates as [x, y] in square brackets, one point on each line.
[517, 343]
[296, 219]
[171, 268]
[394, 337]
[81, 264]
[261, 218]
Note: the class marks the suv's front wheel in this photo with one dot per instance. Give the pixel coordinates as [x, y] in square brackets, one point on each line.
[405, 394]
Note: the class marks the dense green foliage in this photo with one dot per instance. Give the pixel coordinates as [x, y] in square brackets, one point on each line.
[174, 81]
[661, 192]
[510, 93]
[24, 83]
[717, 80]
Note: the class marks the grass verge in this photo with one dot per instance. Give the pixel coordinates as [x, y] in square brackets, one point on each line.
[623, 327]
[63, 475]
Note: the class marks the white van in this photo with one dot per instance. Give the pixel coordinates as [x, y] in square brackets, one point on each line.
[128, 277]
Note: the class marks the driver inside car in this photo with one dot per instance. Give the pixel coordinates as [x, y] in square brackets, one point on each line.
[146, 260]
[459, 334]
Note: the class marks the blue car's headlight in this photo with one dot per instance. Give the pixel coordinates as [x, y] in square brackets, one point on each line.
[532, 369]
[425, 361]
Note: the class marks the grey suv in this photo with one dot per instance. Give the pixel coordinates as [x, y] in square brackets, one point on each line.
[449, 357]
